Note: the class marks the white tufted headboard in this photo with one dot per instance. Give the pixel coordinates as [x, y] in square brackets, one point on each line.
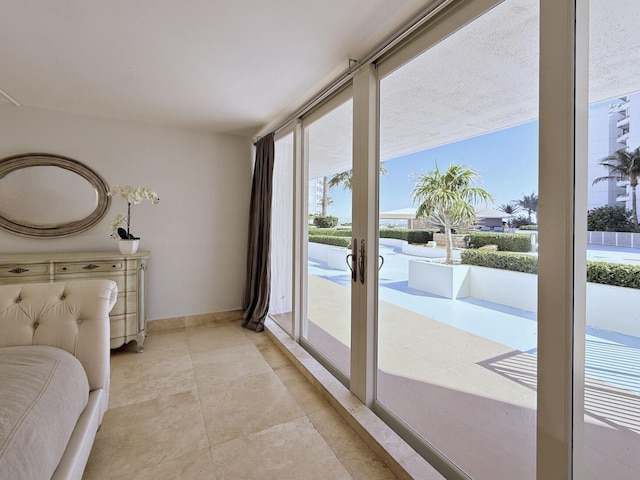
[71, 315]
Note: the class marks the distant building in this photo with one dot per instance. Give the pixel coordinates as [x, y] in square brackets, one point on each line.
[613, 126]
[315, 196]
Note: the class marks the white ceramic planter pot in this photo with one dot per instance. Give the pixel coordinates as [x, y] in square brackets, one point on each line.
[128, 247]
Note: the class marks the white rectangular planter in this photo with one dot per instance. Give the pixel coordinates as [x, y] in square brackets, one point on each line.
[514, 289]
[337, 257]
[613, 308]
[317, 251]
[608, 307]
[429, 252]
[449, 281]
[392, 242]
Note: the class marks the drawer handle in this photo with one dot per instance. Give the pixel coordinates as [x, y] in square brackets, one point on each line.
[18, 270]
[91, 266]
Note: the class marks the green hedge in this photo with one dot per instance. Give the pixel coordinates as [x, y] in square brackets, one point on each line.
[412, 236]
[506, 242]
[419, 236]
[516, 262]
[325, 221]
[330, 232]
[399, 233]
[330, 240]
[614, 274]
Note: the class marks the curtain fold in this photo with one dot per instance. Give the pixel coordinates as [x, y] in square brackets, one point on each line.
[258, 280]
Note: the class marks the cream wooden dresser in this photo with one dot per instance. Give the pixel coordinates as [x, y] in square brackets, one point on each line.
[128, 320]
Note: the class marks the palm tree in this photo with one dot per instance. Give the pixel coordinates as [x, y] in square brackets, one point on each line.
[528, 203]
[345, 179]
[509, 208]
[449, 198]
[623, 165]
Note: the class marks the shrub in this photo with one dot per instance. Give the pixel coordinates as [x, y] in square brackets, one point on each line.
[411, 236]
[331, 232]
[616, 274]
[325, 221]
[610, 218]
[516, 262]
[506, 242]
[321, 231]
[399, 233]
[419, 236]
[529, 227]
[331, 240]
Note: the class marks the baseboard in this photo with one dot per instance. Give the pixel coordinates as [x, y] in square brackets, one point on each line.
[164, 324]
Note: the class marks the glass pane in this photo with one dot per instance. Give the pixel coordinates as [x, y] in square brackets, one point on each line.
[281, 301]
[612, 343]
[457, 330]
[328, 149]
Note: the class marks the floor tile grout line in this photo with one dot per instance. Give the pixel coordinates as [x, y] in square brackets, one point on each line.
[271, 369]
[206, 431]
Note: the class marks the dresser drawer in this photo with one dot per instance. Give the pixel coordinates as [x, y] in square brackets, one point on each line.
[97, 268]
[17, 271]
[118, 323]
[126, 303]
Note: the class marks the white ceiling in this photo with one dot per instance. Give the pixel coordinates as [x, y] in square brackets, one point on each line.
[231, 66]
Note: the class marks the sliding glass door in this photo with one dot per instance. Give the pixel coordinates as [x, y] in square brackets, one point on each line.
[457, 332]
[611, 328]
[327, 148]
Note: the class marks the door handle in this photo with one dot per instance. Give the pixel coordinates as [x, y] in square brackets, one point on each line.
[361, 261]
[381, 262]
[350, 259]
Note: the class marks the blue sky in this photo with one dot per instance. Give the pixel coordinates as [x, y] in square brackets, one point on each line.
[507, 161]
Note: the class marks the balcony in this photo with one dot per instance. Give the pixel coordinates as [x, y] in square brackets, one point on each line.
[623, 198]
[621, 105]
[623, 138]
[622, 122]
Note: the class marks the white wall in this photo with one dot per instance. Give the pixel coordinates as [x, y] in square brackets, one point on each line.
[196, 234]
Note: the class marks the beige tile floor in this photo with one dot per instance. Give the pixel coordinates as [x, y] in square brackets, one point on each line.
[221, 402]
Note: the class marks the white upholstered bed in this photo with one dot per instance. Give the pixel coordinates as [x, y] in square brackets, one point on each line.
[54, 376]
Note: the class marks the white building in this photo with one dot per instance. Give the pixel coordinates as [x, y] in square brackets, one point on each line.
[315, 196]
[611, 129]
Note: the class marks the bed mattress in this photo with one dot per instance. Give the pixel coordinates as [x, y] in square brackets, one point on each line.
[43, 392]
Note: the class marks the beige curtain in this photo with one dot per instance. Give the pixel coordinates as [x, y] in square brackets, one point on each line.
[258, 283]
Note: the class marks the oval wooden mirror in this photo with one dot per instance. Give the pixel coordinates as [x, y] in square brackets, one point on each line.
[44, 195]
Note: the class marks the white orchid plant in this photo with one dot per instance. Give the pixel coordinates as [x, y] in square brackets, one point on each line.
[133, 196]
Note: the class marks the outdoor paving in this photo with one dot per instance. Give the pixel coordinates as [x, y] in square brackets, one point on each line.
[462, 373]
